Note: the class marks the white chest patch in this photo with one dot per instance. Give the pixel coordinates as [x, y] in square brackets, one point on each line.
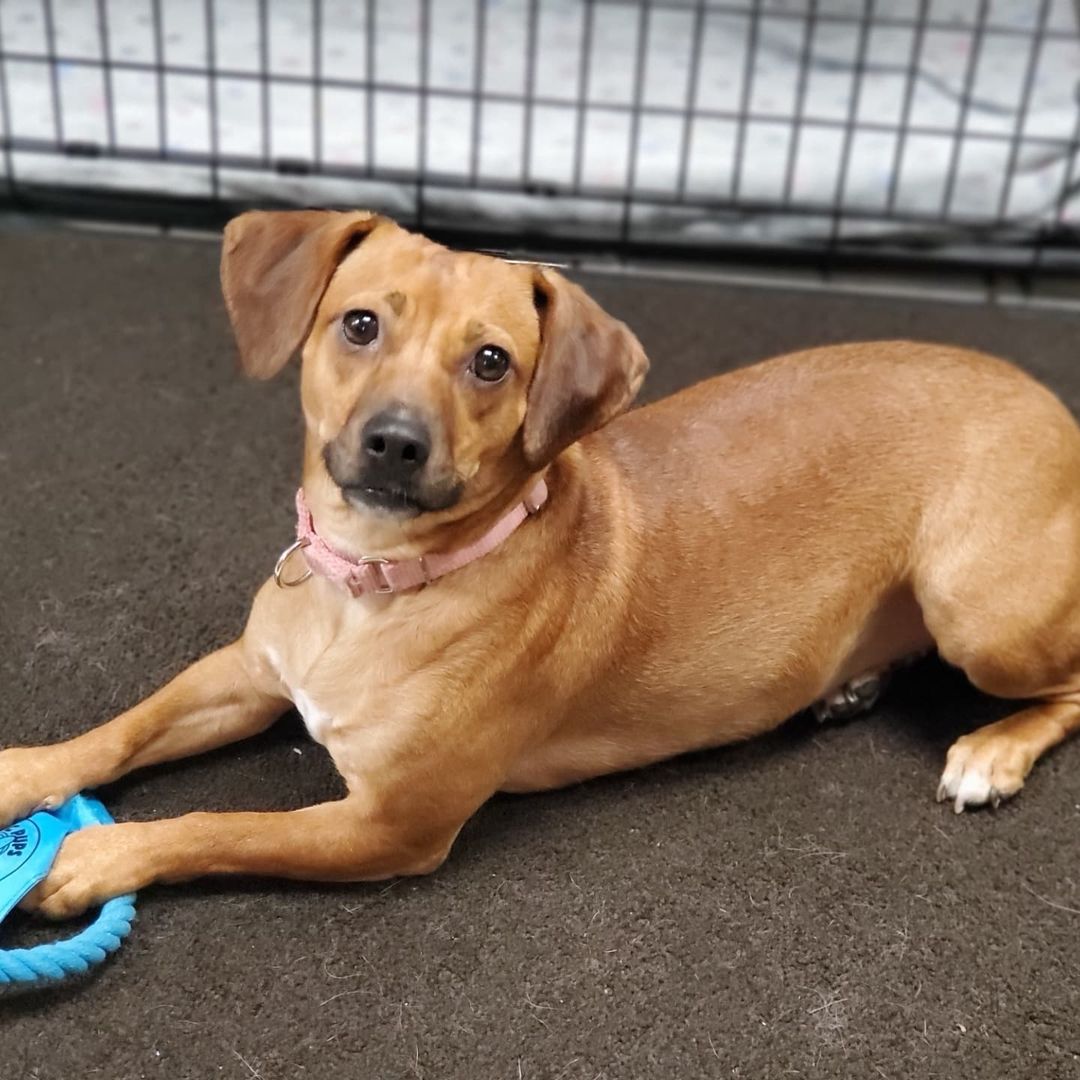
[317, 720]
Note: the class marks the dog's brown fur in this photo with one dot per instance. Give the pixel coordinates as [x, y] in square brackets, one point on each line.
[705, 567]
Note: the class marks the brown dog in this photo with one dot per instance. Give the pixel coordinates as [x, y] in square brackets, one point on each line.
[701, 570]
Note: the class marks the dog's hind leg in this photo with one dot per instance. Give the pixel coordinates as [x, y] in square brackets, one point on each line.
[997, 576]
[1015, 640]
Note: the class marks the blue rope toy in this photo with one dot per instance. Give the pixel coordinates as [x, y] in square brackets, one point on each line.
[27, 851]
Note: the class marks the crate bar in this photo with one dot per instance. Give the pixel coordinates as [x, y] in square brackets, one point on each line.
[317, 82]
[626, 225]
[106, 74]
[54, 71]
[851, 123]
[582, 102]
[211, 90]
[479, 56]
[1070, 184]
[5, 116]
[965, 107]
[896, 22]
[423, 106]
[905, 128]
[158, 68]
[744, 113]
[805, 56]
[532, 47]
[1037, 41]
[264, 78]
[369, 51]
[693, 81]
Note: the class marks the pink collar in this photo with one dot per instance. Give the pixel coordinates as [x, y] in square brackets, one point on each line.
[373, 574]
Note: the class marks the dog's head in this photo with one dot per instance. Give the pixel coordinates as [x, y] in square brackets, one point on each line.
[434, 382]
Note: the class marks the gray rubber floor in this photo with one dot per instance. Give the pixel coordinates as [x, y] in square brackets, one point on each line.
[796, 907]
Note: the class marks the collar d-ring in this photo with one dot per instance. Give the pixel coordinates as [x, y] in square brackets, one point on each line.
[283, 559]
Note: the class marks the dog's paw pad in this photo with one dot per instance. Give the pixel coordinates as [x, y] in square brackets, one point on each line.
[982, 770]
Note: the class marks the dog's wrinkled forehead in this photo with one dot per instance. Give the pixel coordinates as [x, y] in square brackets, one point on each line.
[424, 282]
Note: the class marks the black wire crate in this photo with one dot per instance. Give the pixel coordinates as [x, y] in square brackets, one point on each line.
[947, 127]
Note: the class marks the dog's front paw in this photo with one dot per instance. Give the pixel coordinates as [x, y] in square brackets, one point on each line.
[983, 768]
[92, 866]
[31, 779]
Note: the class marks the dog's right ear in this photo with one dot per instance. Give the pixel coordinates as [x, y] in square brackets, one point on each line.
[275, 266]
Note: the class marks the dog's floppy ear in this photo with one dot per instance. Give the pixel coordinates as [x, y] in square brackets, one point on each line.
[275, 266]
[589, 368]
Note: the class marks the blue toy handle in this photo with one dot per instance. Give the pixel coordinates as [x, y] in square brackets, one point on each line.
[27, 850]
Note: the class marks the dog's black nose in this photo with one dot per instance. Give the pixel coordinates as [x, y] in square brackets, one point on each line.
[396, 444]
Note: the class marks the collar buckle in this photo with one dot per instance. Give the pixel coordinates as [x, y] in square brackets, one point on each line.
[382, 585]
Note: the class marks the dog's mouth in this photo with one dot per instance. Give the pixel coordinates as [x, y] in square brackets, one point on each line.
[400, 501]
[392, 500]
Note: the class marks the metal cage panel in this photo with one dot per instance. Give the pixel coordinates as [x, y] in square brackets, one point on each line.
[818, 124]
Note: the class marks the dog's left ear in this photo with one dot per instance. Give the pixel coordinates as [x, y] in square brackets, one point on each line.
[275, 266]
[589, 369]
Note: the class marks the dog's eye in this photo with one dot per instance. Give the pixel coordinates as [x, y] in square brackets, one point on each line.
[360, 327]
[490, 364]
